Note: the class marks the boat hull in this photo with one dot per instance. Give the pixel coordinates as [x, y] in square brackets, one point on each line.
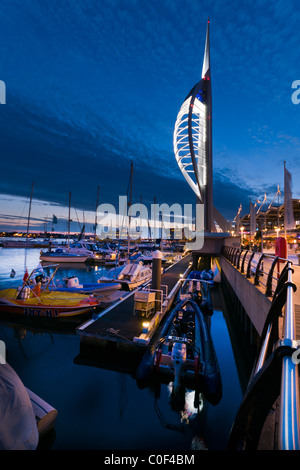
[50, 305]
[197, 287]
[24, 244]
[44, 413]
[101, 288]
[127, 285]
[202, 375]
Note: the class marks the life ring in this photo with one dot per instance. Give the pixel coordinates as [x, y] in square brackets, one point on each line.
[197, 368]
[281, 248]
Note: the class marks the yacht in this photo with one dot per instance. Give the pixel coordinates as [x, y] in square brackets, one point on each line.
[129, 276]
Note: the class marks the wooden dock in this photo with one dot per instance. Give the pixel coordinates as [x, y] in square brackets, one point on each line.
[118, 324]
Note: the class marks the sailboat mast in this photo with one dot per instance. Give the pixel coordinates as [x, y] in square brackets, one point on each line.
[284, 200]
[129, 205]
[29, 211]
[95, 235]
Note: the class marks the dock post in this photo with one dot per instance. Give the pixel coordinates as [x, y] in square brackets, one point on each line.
[156, 276]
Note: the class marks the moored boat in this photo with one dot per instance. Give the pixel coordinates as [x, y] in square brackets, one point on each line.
[63, 256]
[34, 302]
[25, 417]
[183, 352]
[130, 275]
[28, 243]
[72, 284]
[197, 286]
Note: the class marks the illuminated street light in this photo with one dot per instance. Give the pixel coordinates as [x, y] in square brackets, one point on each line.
[193, 139]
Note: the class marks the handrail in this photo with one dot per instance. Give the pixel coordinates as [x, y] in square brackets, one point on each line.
[289, 428]
[243, 262]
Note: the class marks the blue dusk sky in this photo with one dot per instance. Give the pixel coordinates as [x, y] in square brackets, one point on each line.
[94, 85]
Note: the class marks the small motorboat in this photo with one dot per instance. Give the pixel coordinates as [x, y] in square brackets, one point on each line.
[25, 417]
[33, 302]
[197, 286]
[45, 414]
[130, 275]
[107, 253]
[72, 284]
[183, 352]
[146, 258]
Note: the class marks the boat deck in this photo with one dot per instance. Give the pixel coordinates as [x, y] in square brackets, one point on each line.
[118, 323]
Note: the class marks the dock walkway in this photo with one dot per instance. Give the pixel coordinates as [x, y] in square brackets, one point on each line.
[296, 280]
[118, 322]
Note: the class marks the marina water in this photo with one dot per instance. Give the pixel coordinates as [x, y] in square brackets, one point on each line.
[103, 409]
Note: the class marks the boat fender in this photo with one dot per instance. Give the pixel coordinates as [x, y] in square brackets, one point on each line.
[157, 359]
[37, 289]
[179, 359]
[23, 293]
[73, 282]
[179, 353]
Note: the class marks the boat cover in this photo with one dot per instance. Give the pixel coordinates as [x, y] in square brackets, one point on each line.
[18, 428]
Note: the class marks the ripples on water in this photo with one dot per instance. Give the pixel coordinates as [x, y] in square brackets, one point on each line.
[104, 409]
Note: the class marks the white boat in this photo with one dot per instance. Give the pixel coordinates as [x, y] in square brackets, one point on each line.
[25, 417]
[107, 253]
[72, 284]
[28, 243]
[130, 276]
[81, 248]
[44, 413]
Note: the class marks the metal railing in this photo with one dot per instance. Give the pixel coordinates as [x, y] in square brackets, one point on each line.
[275, 373]
[289, 398]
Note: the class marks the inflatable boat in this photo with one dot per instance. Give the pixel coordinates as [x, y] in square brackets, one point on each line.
[183, 353]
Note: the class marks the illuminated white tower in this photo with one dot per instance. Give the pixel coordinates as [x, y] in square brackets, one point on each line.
[193, 139]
